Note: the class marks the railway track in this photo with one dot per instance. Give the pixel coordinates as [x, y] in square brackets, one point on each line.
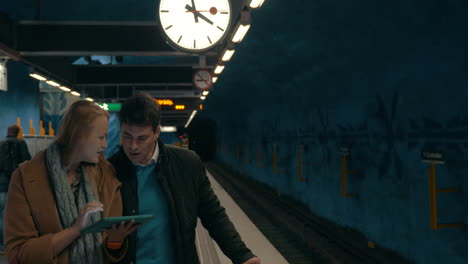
[299, 236]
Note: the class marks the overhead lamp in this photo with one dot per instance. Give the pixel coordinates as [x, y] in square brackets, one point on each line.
[243, 27]
[168, 129]
[228, 55]
[89, 99]
[219, 69]
[65, 89]
[240, 33]
[53, 83]
[205, 93]
[214, 79]
[75, 93]
[191, 117]
[256, 3]
[203, 97]
[37, 76]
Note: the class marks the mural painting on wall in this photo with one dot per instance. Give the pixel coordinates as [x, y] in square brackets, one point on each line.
[55, 102]
[324, 137]
[390, 134]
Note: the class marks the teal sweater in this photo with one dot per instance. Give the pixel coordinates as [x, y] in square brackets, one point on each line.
[155, 245]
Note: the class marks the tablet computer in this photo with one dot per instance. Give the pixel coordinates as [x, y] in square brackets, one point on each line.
[107, 222]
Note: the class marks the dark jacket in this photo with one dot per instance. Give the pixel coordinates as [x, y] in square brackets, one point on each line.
[13, 151]
[189, 193]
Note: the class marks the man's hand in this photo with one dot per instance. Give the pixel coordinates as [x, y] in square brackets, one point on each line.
[254, 260]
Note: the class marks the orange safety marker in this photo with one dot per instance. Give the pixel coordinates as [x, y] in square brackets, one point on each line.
[18, 122]
[51, 130]
[32, 131]
[41, 128]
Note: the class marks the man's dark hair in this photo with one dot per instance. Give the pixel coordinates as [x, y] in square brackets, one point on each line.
[13, 130]
[140, 110]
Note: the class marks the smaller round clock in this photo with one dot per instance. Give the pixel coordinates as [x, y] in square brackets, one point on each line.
[202, 79]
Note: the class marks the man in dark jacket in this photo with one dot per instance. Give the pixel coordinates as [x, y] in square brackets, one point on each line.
[171, 184]
[13, 151]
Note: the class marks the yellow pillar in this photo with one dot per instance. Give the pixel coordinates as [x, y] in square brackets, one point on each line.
[51, 130]
[41, 128]
[18, 122]
[32, 131]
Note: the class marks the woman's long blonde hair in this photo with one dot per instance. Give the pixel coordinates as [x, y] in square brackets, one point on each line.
[76, 123]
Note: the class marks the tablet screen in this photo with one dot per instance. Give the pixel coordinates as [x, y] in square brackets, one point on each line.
[107, 222]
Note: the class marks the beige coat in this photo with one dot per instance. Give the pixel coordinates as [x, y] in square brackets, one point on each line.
[31, 217]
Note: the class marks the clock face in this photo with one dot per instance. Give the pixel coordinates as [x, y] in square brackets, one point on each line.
[202, 79]
[195, 25]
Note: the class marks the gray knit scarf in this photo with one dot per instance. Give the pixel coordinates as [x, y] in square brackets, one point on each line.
[87, 249]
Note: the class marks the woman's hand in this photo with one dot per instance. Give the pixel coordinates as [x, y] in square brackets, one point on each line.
[119, 232]
[63, 239]
[86, 211]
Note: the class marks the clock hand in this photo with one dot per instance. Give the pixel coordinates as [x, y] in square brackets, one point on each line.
[191, 9]
[204, 18]
[194, 9]
[196, 13]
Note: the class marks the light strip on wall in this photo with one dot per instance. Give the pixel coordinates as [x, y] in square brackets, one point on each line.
[65, 89]
[37, 76]
[240, 33]
[228, 55]
[53, 83]
[75, 93]
[191, 117]
[219, 69]
[256, 3]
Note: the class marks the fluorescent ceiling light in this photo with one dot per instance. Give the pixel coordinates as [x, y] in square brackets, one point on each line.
[89, 99]
[63, 88]
[215, 79]
[228, 55]
[203, 97]
[205, 93]
[191, 117]
[256, 3]
[240, 33]
[53, 83]
[75, 93]
[168, 129]
[219, 69]
[37, 76]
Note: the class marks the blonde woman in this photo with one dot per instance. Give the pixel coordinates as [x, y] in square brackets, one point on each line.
[62, 190]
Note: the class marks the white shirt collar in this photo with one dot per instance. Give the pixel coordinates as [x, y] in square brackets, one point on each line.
[154, 158]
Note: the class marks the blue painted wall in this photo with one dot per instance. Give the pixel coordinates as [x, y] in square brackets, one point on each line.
[386, 79]
[21, 100]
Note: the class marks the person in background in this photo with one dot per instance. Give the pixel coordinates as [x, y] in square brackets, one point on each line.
[171, 184]
[62, 190]
[13, 151]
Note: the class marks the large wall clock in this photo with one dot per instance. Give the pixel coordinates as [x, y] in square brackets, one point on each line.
[194, 26]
